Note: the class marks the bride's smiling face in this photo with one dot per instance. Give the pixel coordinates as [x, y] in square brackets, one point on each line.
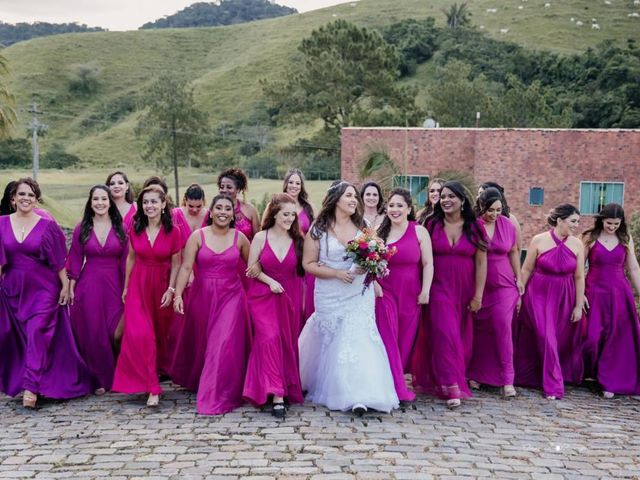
[348, 202]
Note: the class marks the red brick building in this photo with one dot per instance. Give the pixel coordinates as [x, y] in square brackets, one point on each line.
[538, 168]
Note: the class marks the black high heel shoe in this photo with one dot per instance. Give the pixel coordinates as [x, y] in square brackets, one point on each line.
[279, 410]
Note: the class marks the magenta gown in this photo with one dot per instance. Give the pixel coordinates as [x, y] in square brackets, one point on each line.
[38, 350]
[397, 311]
[276, 318]
[127, 221]
[144, 352]
[443, 347]
[304, 223]
[180, 220]
[97, 309]
[492, 359]
[548, 347]
[612, 345]
[218, 318]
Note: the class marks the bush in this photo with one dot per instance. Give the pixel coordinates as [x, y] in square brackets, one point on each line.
[15, 153]
[84, 79]
[260, 166]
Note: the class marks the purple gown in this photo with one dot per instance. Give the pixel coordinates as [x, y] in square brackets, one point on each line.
[492, 359]
[97, 309]
[443, 347]
[212, 351]
[547, 345]
[38, 350]
[276, 319]
[612, 346]
[397, 311]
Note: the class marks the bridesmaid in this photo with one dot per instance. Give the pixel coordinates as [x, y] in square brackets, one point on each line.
[151, 270]
[433, 197]
[371, 195]
[231, 182]
[612, 346]
[276, 307]
[155, 180]
[191, 215]
[506, 211]
[492, 359]
[122, 195]
[443, 346]
[39, 355]
[402, 293]
[95, 267]
[214, 346]
[548, 350]
[7, 205]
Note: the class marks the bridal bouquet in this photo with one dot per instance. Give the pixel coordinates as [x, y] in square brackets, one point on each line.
[370, 252]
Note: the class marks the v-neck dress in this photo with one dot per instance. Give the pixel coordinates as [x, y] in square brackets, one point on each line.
[144, 352]
[548, 347]
[276, 319]
[97, 309]
[37, 348]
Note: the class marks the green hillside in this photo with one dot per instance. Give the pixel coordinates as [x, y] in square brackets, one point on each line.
[226, 63]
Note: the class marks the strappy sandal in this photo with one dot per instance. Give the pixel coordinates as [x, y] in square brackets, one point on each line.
[153, 400]
[29, 400]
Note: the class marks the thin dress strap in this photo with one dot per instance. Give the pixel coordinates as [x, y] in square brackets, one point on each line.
[235, 237]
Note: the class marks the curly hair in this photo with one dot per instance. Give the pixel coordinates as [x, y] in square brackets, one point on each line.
[238, 176]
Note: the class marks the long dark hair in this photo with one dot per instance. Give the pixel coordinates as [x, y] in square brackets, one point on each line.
[275, 205]
[470, 227]
[380, 205]
[128, 195]
[86, 225]
[561, 212]
[140, 220]
[487, 198]
[506, 211]
[614, 211]
[222, 196]
[327, 215]
[385, 226]
[427, 211]
[303, 196]
[5, 203]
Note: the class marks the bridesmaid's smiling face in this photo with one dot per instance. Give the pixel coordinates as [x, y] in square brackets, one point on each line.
[611, 225]
[286, 215]
[434, 193]
[118, 186]
[570, 225]
[493, 212]
[348, 202]
[294, 185]
[449, 202]
[222, 213]
[228, 187]
[398, 209]
[24, 198]
[100, 202]
[152, 205]
[370, 197]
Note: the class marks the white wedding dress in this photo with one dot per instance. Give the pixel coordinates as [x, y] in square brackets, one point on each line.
[343, 361]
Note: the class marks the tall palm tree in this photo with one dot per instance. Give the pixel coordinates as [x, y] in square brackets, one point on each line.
[457, 15]
[8, 116]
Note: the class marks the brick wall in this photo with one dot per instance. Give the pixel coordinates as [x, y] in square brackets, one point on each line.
[518, 159]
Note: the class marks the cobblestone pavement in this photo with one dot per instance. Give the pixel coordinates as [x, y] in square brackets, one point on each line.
[115, 436]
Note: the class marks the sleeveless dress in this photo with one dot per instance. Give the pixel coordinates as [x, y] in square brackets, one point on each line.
[397, 311]
[38, 351]
[276, 319]
[304, 222]
[97, 309]
[612, 344]
[547, 345]
[343, 361]
[243, 223]
[212, 351]
[144, 352]
[492, 359]
[443, 346]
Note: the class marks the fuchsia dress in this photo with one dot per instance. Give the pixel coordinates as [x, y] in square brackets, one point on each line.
[97, 309]
[397, 311]
[127, 220]
[214, 345]
[180, 220]
[492, 359]
[443, 346]
[304, 223]
[547, 345]
[612, 347]
[277, 320]
[38, 351]
[144, 352]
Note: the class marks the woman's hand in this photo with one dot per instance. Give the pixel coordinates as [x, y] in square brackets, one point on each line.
[357, 269]
[520, 286]
[124, 294]
[345, 275]
[423, 298]
[190, 281]
[475, 304]
[178, 305]
[585, 307]
[276, 287]
[166, 297]
[576, 314]
[377, 290]
[254, 270]
[64, 296]
[72, 295]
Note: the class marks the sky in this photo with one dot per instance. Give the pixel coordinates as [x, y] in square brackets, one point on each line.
[114, 14]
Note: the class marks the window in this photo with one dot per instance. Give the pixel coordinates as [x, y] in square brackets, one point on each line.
[595, 195]
[536, 196]
[416, 184]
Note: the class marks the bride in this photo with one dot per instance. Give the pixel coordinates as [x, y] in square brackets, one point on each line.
[343, 362]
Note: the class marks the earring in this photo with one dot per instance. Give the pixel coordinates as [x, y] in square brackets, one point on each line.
[163, 211]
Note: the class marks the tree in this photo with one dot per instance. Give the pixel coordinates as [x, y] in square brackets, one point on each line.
[457, 15]
[416, 40]
[8, 116]
[346, 76]
[176, 128]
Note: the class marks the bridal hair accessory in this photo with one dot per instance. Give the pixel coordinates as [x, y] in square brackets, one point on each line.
[333, 188]
[369, 252]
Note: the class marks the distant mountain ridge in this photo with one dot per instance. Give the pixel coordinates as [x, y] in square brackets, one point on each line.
[14, 33]
[226, 12]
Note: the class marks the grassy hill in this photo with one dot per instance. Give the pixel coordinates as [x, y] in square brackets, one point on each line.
[226, 63]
